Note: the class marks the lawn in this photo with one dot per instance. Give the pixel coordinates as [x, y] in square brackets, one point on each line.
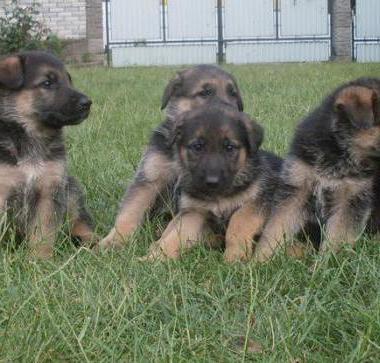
[82, 307]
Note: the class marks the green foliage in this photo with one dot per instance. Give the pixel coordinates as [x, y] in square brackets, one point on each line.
[86, 57]
[20, 29]
[53, 44]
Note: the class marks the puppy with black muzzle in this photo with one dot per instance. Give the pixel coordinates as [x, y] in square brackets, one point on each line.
[157, 172]
[328, 176]
[220, 168]
[37, 100]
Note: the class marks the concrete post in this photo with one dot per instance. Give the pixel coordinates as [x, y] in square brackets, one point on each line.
[341, 21]
[94, 29]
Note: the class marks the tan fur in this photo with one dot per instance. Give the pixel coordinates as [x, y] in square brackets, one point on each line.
[366, 141]
[297, 250]
[9, 178]
[10, 65]
[288, 217]
[356, 96]
[340, 228]
[144, 197]
[183, 154]
[242, 158]
[218, 84]
[200, 132]
[10, 69]
[156, 168]
[182, 233]
[43, 231]
[46, 177]
[360, 104]
[82, 230]
[130, 216]
[184, 104]
[45, 69]
[51, 176]
[78, 228]
[24, 106]
[244, 224]
[223, 207]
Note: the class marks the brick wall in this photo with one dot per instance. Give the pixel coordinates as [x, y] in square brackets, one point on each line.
[79, 22]
[65, 18]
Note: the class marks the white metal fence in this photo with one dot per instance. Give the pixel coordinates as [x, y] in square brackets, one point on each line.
[367, 31]
[163, 32]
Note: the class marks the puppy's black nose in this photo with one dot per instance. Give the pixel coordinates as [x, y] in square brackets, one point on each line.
[84, 103]
[212, 181]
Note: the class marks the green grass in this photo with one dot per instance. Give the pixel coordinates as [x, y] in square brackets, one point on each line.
[81, 307]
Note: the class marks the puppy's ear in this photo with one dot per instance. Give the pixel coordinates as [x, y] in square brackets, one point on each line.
[176, 132]
[170, 90]
[11, 73]
[240, 103]
[254, 133]
[360, 105]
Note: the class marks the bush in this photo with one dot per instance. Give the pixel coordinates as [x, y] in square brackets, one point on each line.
[20, 29]
[53, 44]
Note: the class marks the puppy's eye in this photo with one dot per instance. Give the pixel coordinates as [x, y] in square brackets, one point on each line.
[206, 93]
[230, 147]
[196, 146]
[47, 83]
[231, 91]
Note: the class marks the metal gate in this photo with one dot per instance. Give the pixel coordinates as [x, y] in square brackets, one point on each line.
[366, 31]
[171, 32]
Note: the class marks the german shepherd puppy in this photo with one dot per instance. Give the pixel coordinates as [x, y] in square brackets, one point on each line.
[220, 167]
[37, 100]
[328, 175]
[189, 90]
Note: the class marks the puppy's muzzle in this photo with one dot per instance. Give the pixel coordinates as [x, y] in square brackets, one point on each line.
[84, 104]
[212, 181]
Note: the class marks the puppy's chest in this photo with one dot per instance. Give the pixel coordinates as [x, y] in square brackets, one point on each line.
[353, 164]
[330, 192]
[33, 175]
[29, 163]
[223, 207]
[42, 173]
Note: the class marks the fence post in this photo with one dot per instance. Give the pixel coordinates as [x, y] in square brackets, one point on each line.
[107, 48]
[94, 30]
[220, 31]
[341, 30]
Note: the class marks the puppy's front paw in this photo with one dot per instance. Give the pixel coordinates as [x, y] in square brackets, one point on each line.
[232, 255]
[112, 241]
[157, 252]
[152, 256]
[42, 252]
[297, 250]
[263, 254]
